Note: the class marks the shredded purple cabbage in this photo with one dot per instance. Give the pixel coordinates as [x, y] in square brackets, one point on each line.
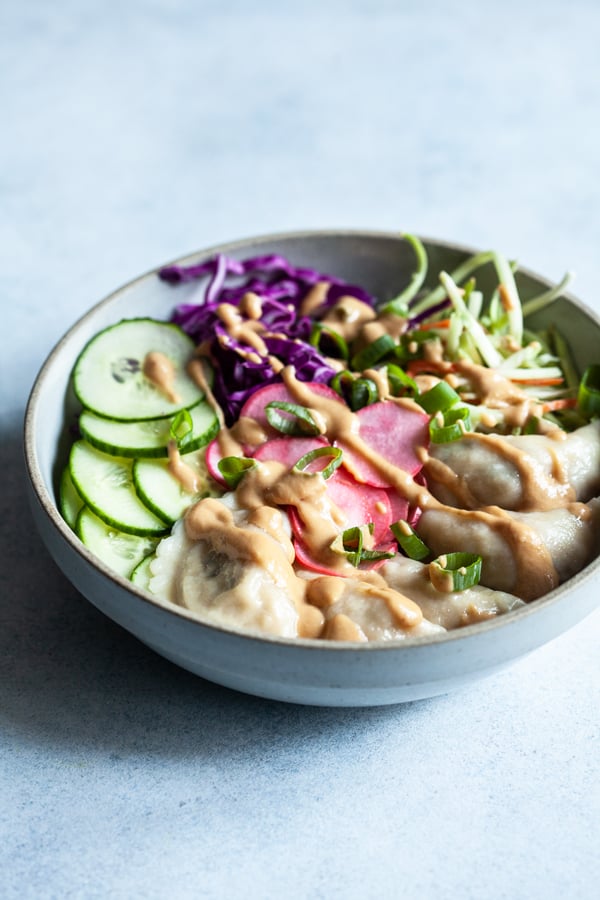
[282, 288]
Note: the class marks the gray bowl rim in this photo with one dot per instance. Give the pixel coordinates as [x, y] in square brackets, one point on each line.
[45, 499]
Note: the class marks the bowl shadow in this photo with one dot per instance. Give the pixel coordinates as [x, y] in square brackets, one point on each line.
[72, 678]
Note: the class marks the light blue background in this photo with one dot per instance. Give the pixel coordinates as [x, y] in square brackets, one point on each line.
[131, 133]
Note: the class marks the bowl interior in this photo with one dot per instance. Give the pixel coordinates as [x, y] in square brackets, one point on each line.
[380, 262]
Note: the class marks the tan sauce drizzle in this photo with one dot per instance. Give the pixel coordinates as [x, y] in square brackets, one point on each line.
[251, 305]
[539, 490]
[211, 519]
[342, 628]
[380, 380]
[534, 568]
[348, 316]
[185, 475]
[315, 298]
[159, 370]
[195, 370]
[246, 331]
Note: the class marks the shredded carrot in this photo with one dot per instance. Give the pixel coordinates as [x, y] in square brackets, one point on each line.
[539, 382]
[441, 323]
[562, 403]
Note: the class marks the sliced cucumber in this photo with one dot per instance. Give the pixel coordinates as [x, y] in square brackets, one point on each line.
[161, 492]
[106, 485]
[147, 438]
[121, 552]
[108, 377]
[69, 501]
[141, 575]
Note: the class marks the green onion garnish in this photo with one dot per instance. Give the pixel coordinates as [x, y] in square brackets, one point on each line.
[450, 425]
[181, 428]
[233, 469]
[333, 453]
[290, 418]
[373, 353]
[400, 383]
[350, 543]
[341, 381]
[438, 399]
[339, 346]
[363, 392]
[409, 541]
[455, 572]
[399, 305]
[588, 398]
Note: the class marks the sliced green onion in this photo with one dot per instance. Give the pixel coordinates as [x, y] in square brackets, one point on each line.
[233, 469]
[341, 381]
[455, 572]
[363, 392]
[399, 305]
[437, 399]
[373, 353]
[297, 420]
[350, 543]
[588, 398]
[333, 453]
[532, 425]
[450, 425]
[409, 541]
[181, 427]
[400, 383]
[319, 330]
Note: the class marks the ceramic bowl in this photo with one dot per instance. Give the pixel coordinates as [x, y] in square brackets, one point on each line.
[301, 671]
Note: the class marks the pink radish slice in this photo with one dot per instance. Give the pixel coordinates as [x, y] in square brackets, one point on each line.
[254, 407]
[393, 432]
[304, 559]
[288, 450]
[212, 457]
[399, 507]
[361, 504]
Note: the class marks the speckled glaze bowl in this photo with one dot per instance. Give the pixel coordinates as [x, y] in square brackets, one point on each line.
[300, 671]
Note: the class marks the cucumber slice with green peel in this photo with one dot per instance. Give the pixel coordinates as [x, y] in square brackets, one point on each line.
[105, 483]
[141, 575]
[69, 501]
[147, 438]
[161, 492]
[109, 380]
[119, 551]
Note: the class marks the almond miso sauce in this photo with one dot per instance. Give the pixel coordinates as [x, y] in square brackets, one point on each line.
[267, 485]
[160, 371]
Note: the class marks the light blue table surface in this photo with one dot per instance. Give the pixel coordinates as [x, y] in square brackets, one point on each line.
[133, 132]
